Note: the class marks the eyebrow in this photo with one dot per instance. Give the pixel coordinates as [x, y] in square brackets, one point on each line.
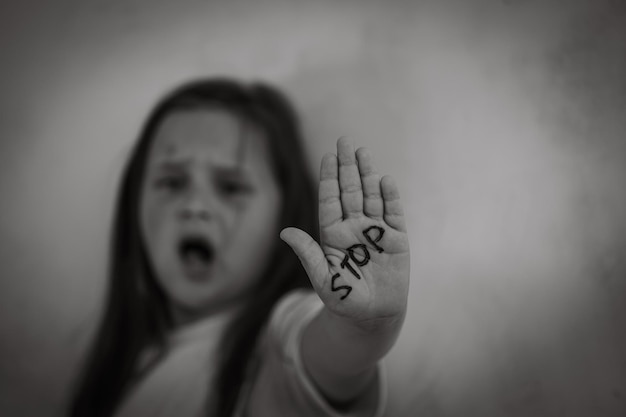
[238, 170]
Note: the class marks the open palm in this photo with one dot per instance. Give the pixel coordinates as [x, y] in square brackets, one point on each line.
[360, 269]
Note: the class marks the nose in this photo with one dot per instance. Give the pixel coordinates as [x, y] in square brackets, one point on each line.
[196, 207]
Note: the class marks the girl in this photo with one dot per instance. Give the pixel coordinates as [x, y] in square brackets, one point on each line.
[207, 312]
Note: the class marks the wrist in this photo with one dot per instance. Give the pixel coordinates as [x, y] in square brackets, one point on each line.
[375, 335]
[367, 326]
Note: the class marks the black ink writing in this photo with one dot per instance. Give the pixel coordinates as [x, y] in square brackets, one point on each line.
[365, 257]
[346, 264]
[380, 230]
[361, 260]
[341, 287]
[359, 255]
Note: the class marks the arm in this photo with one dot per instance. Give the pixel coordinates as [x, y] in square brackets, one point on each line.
[342, 358]
[360, 270]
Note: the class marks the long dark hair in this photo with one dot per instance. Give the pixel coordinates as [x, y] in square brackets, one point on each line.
[136, 312]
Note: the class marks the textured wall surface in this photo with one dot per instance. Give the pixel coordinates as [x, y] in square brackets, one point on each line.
[503, 121]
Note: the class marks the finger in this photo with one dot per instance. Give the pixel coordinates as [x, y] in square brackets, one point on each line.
[309, 252]
[394, 215]
[349, 180]
[370, 181]
[330, 211]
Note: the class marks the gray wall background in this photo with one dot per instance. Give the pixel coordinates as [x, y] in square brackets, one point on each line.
[503, 121]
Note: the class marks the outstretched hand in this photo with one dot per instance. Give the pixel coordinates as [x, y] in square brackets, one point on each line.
[360, 269]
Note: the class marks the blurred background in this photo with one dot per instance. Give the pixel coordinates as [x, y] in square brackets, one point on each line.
[504, 123]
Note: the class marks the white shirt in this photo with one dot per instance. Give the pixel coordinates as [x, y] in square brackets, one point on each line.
[277, 384]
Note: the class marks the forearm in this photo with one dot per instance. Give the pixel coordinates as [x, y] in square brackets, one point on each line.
[341, 356]
[359, 269]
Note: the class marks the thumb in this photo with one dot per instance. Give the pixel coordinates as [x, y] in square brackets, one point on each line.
[308, 251]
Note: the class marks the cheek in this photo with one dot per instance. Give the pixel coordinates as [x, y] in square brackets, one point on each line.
[265, 213]
[257, 235]
[153, 216]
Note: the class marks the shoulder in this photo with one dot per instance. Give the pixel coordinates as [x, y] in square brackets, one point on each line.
[291, 314]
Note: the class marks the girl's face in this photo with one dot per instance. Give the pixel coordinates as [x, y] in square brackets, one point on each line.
[209, 208]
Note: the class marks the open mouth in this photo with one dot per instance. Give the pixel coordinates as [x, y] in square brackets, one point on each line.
[196, 255]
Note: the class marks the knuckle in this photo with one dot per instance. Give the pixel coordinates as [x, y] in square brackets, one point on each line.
[352, 188]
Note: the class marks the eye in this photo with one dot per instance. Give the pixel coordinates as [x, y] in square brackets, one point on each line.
[233, 187]
[171, 182]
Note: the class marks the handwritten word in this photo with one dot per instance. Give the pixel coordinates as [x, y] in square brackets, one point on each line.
[360, 256]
